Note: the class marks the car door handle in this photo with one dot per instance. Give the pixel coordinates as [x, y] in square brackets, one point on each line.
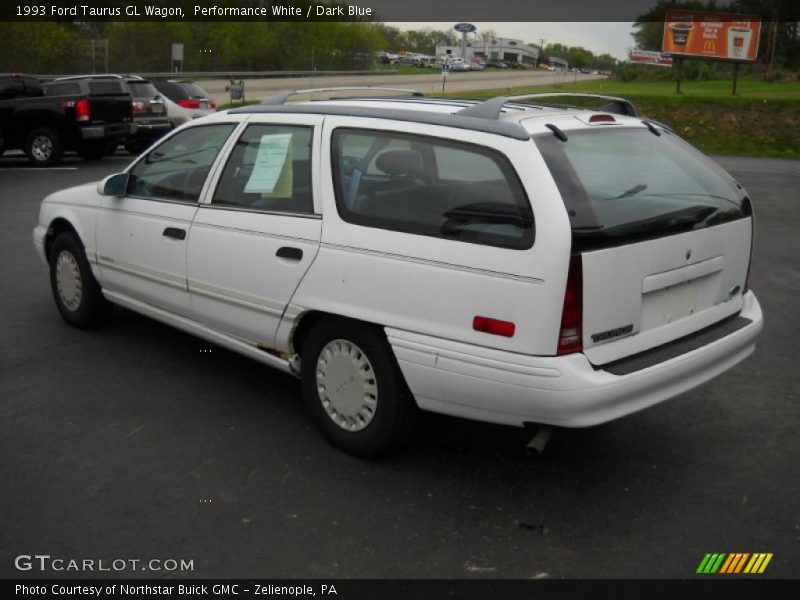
[175, 233]
[290, 253]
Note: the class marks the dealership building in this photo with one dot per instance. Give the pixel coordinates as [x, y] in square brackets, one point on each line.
[494, 49]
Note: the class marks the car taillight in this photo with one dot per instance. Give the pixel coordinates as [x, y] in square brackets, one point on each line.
[83, 111]
[570, 336]
[189, 103]
[601, 119]
[138, 107]
[747, 208]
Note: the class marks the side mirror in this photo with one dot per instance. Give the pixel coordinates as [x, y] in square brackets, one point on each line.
[113, 185]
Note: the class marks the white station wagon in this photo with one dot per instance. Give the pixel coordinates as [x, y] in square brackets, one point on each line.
[503, 261]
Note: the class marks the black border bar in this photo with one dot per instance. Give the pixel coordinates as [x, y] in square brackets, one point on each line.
[709, 586]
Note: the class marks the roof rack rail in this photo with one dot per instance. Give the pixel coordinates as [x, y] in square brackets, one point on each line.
[281, 97]
[491, 108]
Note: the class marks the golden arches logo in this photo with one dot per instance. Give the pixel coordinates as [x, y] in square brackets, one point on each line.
[709, 45]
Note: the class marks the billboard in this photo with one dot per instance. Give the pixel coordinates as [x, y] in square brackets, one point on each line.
[711, 35]
[651, 58]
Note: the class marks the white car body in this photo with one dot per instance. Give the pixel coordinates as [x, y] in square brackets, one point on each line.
[224, 282]
[178, 115]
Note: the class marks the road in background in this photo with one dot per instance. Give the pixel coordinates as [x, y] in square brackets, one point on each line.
[428, 81]
[139, 441]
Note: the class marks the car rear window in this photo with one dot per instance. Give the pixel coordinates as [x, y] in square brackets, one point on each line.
[142, 89]
[627, 184]
[113, 86]
[192, 91]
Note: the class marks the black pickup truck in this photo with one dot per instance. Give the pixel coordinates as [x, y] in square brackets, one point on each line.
[44, 126]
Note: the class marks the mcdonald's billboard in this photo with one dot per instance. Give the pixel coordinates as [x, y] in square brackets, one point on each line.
[711, 35]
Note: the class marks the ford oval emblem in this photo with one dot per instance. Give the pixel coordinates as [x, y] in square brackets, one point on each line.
[688, 254]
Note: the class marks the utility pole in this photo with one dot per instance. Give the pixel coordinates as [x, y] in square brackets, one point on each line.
[772, 40]
[541, 45]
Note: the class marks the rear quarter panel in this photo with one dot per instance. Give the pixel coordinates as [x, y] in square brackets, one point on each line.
[436, 286]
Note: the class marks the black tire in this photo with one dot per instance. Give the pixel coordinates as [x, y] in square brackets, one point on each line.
[90, 307]
[394, 417]
[43, 147]
[92, 151]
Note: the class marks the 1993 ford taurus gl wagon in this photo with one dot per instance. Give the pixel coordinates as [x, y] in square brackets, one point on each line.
[502, 261]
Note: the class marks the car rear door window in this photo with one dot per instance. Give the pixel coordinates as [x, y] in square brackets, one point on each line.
[269, 169]
[176, 169]
[430, 186]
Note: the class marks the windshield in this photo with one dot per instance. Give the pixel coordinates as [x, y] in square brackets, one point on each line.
[623, 185]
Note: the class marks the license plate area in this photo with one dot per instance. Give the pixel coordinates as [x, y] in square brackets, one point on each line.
[680, 300]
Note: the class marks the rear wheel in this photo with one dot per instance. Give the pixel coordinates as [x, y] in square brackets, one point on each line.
[353, 387]
[75, 290]
[43, 147]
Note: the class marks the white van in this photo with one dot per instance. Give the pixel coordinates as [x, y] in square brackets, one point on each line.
[502, 261]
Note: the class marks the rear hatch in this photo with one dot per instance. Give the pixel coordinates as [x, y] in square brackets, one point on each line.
[664, 236]
[195, 98]
[148, 105]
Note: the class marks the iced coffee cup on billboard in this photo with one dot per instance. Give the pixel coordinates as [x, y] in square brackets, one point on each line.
[739, 42]
[680, 33]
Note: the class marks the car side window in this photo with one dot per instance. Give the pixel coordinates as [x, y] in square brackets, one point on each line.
[269, 169]
[430, 186]
[177, 168]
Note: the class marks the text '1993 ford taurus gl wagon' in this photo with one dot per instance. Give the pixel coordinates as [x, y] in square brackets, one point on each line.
[505, 261]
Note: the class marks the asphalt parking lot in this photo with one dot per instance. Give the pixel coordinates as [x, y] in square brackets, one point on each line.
[139, 441]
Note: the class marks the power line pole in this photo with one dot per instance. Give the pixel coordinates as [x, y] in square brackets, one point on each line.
[772, 34]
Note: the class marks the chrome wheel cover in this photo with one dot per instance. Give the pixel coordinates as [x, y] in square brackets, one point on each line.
[42, 147]
[346, 385]
[68, 280]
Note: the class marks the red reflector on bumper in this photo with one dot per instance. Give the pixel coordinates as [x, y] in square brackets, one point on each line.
[493, 326]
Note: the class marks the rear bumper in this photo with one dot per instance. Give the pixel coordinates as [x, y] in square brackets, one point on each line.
[512, 389]
[149, 130]
[117, 131]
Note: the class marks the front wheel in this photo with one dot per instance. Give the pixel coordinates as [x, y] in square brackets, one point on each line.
[353, 387]
[75, 290]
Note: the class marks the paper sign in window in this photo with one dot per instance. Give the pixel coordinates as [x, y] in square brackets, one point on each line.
[270, 165]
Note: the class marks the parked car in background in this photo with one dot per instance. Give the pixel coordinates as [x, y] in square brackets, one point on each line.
[147, 105]
[185, 100]
[501, 261]
[86, 118]
[477, 64]
[388, 58]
